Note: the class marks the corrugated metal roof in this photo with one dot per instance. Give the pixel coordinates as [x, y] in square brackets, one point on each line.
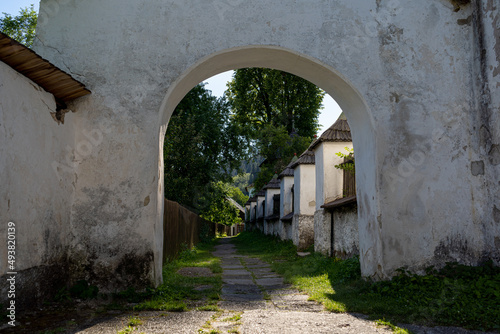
[338, 132]
[306, 158]
[55, 81]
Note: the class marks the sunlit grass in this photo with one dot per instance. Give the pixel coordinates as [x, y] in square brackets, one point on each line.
[455, 296]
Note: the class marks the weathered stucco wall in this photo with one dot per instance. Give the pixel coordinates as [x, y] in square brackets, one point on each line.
[329, 187]
[401, 70]
[329, 180]
[270, 200]
[35, 194]
[345, 231]
[286, 196]
[304, 190]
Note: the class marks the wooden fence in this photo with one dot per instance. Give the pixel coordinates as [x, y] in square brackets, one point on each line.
[182, 227]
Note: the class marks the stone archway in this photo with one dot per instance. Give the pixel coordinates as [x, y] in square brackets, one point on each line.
[410, 75]
[323, 76]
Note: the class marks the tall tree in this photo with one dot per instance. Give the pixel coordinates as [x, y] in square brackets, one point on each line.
[201, 147]
[21, 27]
[260, 96]
[278, 114]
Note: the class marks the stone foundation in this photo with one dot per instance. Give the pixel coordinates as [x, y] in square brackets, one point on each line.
[303, 231]
[323, 232]
[345, 231]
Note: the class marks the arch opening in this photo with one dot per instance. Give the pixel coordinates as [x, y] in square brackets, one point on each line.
[323, 76]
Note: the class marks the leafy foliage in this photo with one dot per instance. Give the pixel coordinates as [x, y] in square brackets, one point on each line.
[201, 148]
[260, 96]
[348, 166]
[279, 148]
[219, 210]
[21, 27]
[277, 112]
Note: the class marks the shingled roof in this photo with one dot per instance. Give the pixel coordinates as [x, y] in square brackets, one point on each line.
[274, 183]
[261, 193]
[288, 171]
[55, 81]
[306, 158]
[338, 132]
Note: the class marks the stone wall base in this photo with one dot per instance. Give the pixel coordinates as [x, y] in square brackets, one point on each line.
[323, 232]
[303, 231]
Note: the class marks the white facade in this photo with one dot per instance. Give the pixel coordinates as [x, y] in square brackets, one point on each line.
[329, 186]
[37, 178]
[304, 205]
[253, 211]
[261, 206]
[286, 195]
[305, 190]
[329, 180]
[270, 200]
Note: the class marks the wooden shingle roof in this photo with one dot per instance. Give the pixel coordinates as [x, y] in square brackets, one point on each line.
[55, 81]
[273, 184]
[288, 171]
[306, 158]
[338, 132]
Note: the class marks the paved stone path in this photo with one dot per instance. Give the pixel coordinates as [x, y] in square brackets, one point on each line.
[259, 302]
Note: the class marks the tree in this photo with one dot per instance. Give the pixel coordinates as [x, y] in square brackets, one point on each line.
[278, 114]
[260, 96]
[201, 147]
[220, 210]
[21, 27]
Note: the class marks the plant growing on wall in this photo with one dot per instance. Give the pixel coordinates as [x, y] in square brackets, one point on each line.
[349, 164]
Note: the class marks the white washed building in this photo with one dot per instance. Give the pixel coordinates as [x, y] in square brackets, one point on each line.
[304, 200]
[329, 180]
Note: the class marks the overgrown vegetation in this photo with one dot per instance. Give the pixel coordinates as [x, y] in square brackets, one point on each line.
[456, 295]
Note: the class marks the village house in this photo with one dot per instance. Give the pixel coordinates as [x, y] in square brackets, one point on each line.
[272, 208]
[329, 182]
[286, 201]
[304, 201]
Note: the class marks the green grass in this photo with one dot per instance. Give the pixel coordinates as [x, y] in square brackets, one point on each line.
[177, 290]
[455, 296]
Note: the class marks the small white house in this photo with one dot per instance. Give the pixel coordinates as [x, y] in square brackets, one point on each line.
[272, 200]
[286, 201]
[329, 180]
[260, 207]
[304, 200]
[253, 211]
